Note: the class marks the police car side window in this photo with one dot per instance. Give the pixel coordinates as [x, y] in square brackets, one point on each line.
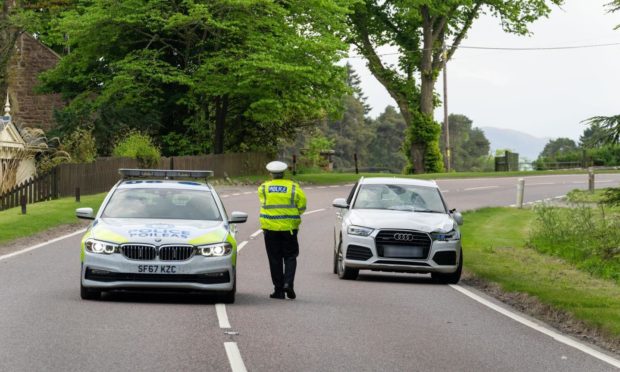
[350, 197]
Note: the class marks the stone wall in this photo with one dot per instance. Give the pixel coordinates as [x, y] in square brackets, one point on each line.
[28, 108]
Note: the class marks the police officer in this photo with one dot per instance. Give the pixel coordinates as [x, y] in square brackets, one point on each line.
[282, 203]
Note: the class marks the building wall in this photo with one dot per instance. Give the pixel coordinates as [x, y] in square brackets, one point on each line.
[28, 108]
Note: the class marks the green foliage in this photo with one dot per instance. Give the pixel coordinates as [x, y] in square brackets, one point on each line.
[386, 148]
[80, 145]
[586, 236]
[228, 75]
[316, 145]
[469, 146]
[137, 145]
[421, 30]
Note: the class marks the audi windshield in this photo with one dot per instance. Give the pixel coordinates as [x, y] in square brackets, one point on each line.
[400, 197]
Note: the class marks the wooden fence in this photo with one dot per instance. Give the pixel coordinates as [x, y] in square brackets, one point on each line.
[44, 187]
[102, 174]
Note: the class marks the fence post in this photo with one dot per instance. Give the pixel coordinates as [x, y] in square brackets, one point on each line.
[355, 159]
[520, 191]
[22, 201]
[590, 180]
[294, 165]
[77, 194]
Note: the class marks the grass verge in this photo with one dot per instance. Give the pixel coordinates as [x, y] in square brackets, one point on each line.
[495, 249]
[42, 216]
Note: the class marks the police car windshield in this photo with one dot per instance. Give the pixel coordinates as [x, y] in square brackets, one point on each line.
[411, 198]
[162, 204]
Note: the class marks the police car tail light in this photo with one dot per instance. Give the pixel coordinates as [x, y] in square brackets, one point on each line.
[215, 250]
[96, 246]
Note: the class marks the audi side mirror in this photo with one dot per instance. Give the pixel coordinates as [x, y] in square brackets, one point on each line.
[458, 217]
[340, 203]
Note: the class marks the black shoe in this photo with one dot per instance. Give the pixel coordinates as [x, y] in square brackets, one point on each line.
[290, 293]
[278, 295]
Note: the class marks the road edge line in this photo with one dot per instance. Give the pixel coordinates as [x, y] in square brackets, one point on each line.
[551, 333]
[32, 248]
[241, 245]
[234, 357]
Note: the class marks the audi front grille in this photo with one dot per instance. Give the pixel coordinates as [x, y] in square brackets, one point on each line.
[403, 244]
[139, 252]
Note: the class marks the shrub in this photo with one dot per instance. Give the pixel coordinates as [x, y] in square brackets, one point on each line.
[138, 146]
[81, 145]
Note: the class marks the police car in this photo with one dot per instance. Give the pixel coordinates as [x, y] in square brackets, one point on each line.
[160, 229]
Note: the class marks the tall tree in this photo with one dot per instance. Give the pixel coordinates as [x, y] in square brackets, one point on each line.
[385, 150]
[469, 145]
[422, 30]
[558, 147]
[203, 76]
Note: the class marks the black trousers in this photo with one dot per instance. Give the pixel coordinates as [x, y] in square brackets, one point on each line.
[282, 251]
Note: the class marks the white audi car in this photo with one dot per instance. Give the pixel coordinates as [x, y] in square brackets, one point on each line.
[399, 225]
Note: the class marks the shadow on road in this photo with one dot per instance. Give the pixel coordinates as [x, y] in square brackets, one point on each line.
[397, 278]
[159, 297]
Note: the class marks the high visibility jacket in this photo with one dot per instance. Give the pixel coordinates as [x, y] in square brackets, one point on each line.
[282, 202]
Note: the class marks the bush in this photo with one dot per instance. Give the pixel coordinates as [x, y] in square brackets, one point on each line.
[138, 146]
[81, 145]
[588, 237]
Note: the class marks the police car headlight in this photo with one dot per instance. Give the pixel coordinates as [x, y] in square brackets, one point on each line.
[215, 250]
[97, 246]
[359, 230]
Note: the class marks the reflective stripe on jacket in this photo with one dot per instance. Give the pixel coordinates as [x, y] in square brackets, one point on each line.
[282, 202]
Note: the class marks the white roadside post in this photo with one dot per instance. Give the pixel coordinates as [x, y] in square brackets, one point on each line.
[590, 179]
[520, 190]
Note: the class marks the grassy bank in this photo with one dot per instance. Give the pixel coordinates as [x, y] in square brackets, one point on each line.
[495, 247]
[43, 216]
[335, 178]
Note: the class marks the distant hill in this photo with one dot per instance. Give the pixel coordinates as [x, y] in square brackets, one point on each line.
[525, 144]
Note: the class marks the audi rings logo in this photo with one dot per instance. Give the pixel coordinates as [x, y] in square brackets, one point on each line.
[403, 237]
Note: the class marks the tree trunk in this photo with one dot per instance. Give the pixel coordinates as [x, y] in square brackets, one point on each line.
[221, 111]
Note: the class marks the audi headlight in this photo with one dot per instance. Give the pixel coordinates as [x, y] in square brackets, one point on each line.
[98, 246]
[359, 230]
[215, 250]
[446, 236]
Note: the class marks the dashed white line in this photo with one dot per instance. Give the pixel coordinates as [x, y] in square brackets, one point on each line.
[222, 317]
[225, 196]
[82, 231]
[541, 183]
[234, 357]
[247, 193]
[334, 186]
[308, 188]
[481, 188]
[314, 211]
[445, 191]
[256, 233]
[322, 187]
[236, 194]
[555, 335]
[241, 245]
[349, 184]
[604, 181]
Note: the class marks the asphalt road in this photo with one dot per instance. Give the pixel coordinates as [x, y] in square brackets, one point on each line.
[388, 322]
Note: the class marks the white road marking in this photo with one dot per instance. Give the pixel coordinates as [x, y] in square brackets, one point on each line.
[241, 245]
[247, 193]
[445, 191]
[541, 183]
[256, 233]
[308, 188]
[314, 211]
[225, 196]
[481, 188]
[82, 231]
[234, 357]
[604, 181]
[349, 184]
[577, 182]
[322, 187]
[334, 186]
[551, 333]
[222, 317]
[236, 194]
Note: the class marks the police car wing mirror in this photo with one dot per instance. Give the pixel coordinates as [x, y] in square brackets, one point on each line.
[85, 213]
[238, 217]
[340, 203]
[458, 218]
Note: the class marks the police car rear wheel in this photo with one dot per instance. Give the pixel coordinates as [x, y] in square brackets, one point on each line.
[89, 294]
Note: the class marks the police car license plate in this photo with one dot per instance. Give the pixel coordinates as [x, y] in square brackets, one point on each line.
[157, 269]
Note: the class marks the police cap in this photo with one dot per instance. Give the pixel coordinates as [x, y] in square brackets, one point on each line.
[276, 167]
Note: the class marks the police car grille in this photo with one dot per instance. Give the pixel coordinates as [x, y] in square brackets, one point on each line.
[139, 252]
[176, 252]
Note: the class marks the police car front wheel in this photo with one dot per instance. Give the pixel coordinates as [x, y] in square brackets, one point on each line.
[89, 294]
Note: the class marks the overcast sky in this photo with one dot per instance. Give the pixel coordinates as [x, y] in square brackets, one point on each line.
[543, 93]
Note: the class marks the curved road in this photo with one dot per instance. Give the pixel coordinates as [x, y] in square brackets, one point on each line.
[391, 322]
